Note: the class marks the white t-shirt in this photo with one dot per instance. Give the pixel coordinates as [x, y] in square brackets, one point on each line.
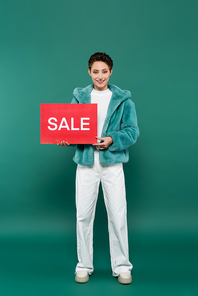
[102, 99]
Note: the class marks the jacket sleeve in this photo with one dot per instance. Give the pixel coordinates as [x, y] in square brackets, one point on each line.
[129, 131]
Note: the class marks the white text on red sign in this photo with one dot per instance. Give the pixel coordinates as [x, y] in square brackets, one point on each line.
[53, 124]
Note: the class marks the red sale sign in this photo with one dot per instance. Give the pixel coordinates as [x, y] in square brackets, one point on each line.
[73, 123]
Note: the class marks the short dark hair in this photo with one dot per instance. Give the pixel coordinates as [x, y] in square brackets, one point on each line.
[100, 56]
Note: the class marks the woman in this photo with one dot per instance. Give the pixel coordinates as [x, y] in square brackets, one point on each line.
[102, 162]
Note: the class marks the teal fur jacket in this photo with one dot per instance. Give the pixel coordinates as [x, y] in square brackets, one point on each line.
[120, 124]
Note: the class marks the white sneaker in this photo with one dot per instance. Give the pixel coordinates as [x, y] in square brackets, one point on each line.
[82, 276]
[125, 278]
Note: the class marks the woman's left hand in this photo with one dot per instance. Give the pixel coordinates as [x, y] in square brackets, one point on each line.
[107, 141]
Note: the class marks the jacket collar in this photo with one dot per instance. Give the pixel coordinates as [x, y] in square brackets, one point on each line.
[83, 95]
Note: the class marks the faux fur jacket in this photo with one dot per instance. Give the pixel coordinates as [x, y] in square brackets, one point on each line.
[120, 124]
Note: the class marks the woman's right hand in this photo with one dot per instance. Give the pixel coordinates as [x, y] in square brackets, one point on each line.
[63, 143]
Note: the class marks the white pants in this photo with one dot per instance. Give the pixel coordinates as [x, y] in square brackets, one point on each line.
[113, 186]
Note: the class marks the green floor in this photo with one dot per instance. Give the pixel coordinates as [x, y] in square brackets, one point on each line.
[45, 266]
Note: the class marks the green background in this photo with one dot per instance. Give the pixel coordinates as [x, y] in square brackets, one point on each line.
[44, 49]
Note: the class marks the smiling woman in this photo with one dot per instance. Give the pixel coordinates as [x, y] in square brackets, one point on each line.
[102, 162]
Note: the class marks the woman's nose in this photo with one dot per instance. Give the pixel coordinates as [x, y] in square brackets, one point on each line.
[99, 75]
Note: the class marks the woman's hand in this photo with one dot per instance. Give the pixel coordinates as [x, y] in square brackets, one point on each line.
[63, 143]
[107, 141]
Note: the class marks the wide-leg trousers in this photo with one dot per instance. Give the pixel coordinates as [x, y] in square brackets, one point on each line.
[113, 186]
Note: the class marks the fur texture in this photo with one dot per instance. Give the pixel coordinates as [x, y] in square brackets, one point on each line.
[120, 124]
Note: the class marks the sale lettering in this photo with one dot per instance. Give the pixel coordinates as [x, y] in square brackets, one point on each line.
[53, 124]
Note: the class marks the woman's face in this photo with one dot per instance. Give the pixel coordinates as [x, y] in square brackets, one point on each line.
[100, 74]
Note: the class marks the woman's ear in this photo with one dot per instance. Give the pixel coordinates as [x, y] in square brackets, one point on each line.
[89, 72]
[111, 71]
